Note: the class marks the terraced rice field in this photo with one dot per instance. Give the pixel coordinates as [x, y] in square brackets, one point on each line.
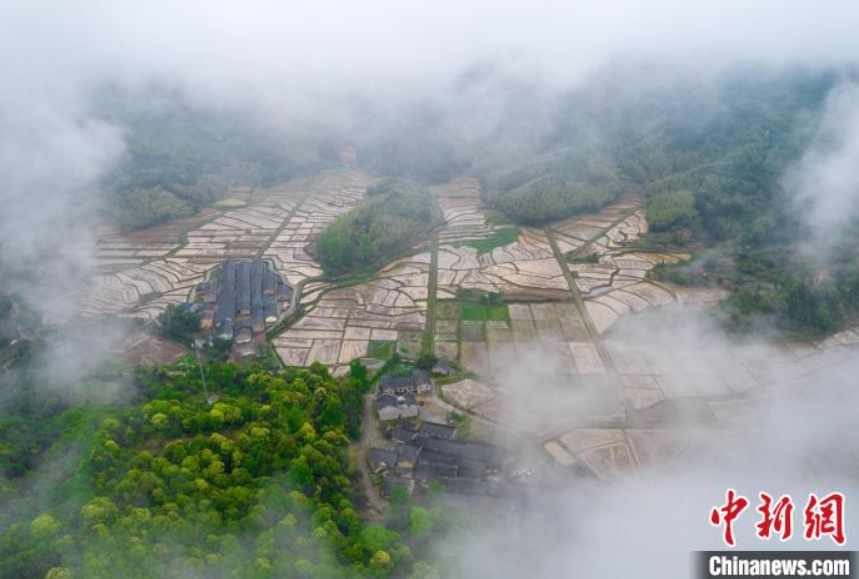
[341, 325]
[523, 267]
[325, 198]
[464, 212]
[238, 233]
[150, 269]
[550, 362]
[617, 283]
[115, 252]
[642, 415]
[143, 291]
[280, 223]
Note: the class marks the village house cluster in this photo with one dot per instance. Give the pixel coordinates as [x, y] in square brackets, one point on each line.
[397, 395]
[429, 453]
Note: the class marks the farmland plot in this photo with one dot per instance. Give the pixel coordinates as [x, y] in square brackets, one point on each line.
[340, 328]
[238, 233]
[523, 268]
[115, 251]
[325, 198]
[143, 291]
[152, 268]
[617, 283]
[463, 211]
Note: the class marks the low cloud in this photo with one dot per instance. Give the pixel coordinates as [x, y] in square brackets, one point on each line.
[825, 181]
[790, 434]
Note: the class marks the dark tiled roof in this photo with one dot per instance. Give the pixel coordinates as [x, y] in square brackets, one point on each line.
[403, 433]
[388, 400]
[471, 450]
[243, 287]
[269, 283]
[459, 461]
[392, 382]
[226, 308]
[270, 310]
[436, 430]
[432, 466]
[467, 486]
[379, 456]
[409, 453]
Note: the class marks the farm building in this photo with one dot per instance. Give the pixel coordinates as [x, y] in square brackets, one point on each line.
[436, 430]
[443, 367]
[393, 407]
[416, 383]
[208, 292]
[243, 333]
[403, 433]
[380, 459]
[207, 319]
[408, 457]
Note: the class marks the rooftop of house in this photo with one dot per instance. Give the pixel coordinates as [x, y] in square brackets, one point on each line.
[409, 453]
[394, 382]
[440, 458]
[379, 456]
[390, 400]
[241, 291]
[437, 430]
[471, 450]
[403, 433]
[442, 366]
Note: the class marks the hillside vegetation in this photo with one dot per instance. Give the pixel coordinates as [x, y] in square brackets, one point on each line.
[671, 209]
[179, 158]
[396, 215]
[543, 192]
[255, 485]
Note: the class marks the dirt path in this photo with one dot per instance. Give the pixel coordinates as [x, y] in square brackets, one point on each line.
[298, 204]
[432, 284]
[580, 304]
[373, 498]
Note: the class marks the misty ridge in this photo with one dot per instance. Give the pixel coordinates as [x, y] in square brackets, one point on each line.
[626, 230]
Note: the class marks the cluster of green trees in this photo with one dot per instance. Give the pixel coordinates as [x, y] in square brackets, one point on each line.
[254, 485]
[774, 288]
[396, 215]
[178, 323]
[547, 191]
[671, 209]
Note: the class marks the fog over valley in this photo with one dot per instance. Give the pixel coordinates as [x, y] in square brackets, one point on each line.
[423, 290]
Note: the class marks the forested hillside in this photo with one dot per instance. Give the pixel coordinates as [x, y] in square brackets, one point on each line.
[709, 155]
[180, 157]
[547, 191]
[711, 159]
[718, 184]
[254, 484]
